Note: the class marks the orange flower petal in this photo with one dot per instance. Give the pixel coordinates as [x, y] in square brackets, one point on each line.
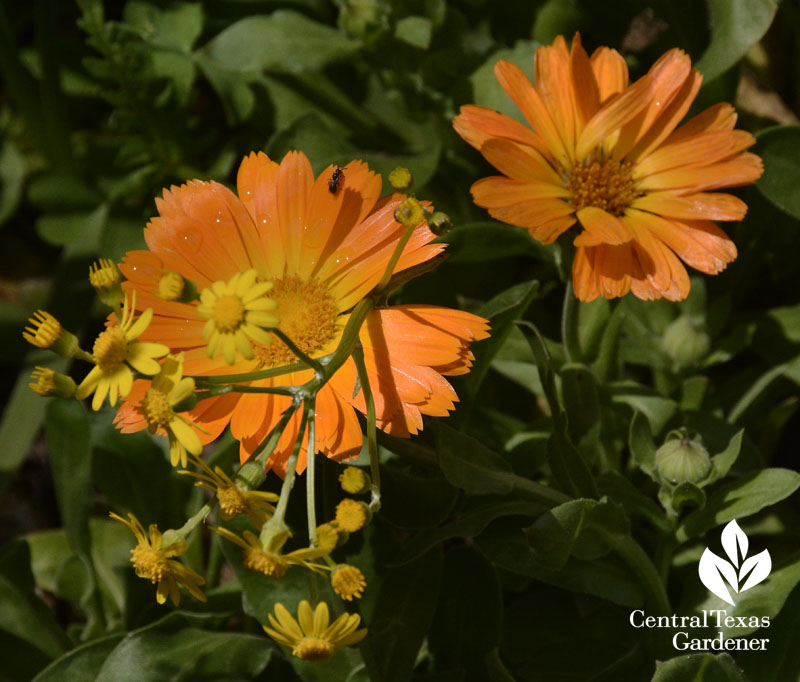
[519, 162]
[700, 149]
[293, 187]
[519, 89]
[479, 124]
[601, 227]
[743, 170]
[694, 206]
[555, 88]
[611, 72]
[501, 191]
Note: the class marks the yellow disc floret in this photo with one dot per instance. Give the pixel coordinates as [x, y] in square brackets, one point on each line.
[348, 582]
[44, 329]
[354, 480]
[351, 515]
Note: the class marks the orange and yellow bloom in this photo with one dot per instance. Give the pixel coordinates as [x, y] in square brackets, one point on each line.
[610, 156]
[321, 252]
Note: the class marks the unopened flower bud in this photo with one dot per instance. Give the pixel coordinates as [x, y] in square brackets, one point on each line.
[401, 179]
[440, 223]
[45, 331]
[354, 480]
[686, 342]
[105, 279]
[682, 460]
[49, 383]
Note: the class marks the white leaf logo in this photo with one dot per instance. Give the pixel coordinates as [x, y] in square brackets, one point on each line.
[714, 571]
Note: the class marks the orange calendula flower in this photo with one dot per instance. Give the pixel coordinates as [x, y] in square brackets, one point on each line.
[322, 252]
[611, 157]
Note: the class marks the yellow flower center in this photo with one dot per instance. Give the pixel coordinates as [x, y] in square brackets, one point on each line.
[156, 408]
[44, 330]
[170, 286]
[307, 312]
[607, 185]
[348, 582]
[351, 515]
[231, 500]
[313, 649]
[149, 563]
[327, 537]
[228, 313]
[273, 565]
[110, 349]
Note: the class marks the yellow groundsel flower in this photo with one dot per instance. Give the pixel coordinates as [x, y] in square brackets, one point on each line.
[236, 312]
[313, 638]
[170, 285]
[268, 559]
[168, 389]
[351, 515]
[328, 536]
[114, 349]
[348, 581]
[153, 561]
[232, 499]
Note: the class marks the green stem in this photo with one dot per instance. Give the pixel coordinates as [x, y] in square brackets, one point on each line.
[176, 535]
[276, 523]
[311, 497]
[240, 388]
[569, 325]
[304, 359]
[372, 437]
[398, 251]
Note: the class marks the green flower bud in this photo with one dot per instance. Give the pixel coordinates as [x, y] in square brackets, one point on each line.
[686, 342]
[682, 460]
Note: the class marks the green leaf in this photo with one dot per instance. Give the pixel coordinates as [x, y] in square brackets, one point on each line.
[67, 429]
[81, 663]
[282, 41]
[470, 523]
[471, 466]
[465, 630]
[12, 176]
[780, 660]
[501, 312]
[606, 577]
[642, 445]
[686, 495]
[23, 614]
[699, 668]
[721, 463]
[416, 31]
[736, 26]
[173, 649]
[232, 87]
[415, 501]
[656, 408]
[580, 394]
[570, 529]
[485, 241]
[399, 624]
[176, 26]
[635, 502]
[567, 463]
[81, 232]
[738, 499]
[777, 146]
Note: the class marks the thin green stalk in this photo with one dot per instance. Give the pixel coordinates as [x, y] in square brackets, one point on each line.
[372, 436]
[569, 325]
[398, 251]
[305, 359]
[277, 523]
[176, 535]
[311, 487]
[240, 388]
